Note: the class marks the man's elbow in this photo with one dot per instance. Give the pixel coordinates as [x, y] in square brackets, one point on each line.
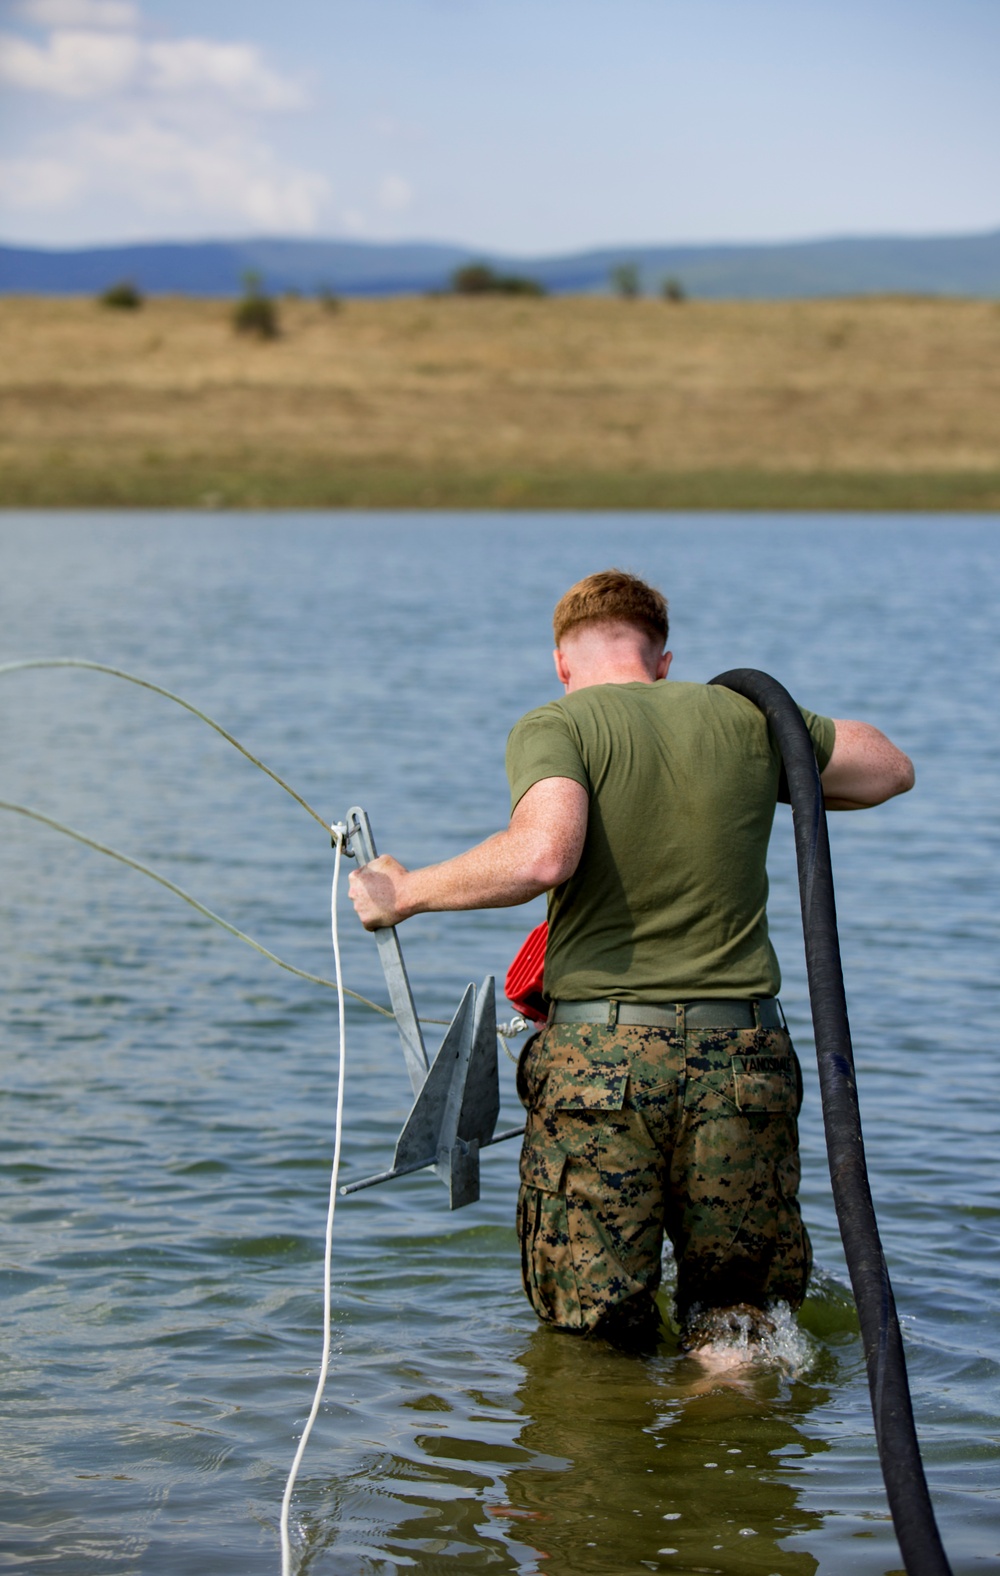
[865, 768]
[550, 867]
[550, 859]
[879, 790]
[895, 776]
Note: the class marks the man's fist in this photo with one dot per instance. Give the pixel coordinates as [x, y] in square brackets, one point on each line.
[377, 892]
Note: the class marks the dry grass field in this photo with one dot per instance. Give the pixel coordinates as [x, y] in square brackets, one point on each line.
[572, 402]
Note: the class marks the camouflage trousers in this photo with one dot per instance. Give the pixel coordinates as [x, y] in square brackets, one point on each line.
[637, 1132]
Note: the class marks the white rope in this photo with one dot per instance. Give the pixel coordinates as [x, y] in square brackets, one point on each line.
[505, 1031]
[339, 833]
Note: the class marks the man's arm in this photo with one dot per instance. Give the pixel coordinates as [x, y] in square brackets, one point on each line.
[540, 848]
[865, 768]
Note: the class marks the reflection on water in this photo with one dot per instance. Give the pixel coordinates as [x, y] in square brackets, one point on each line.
[646, 1463]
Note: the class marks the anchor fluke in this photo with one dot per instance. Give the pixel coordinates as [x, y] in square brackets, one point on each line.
[456, 1110]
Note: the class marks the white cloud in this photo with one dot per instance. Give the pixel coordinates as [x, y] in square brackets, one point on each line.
[80, 13]
[83, 63]
[70, 64]
[225, 178]
[158, 130]
[164, 174]
[394, 193]
[196, 65]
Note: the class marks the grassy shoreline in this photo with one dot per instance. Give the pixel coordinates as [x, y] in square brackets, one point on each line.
[242, 485]
[570, 403]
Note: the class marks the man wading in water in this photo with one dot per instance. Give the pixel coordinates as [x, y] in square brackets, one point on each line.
[663, 1092]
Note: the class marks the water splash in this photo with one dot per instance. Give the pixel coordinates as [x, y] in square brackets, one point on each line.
[742, 1336]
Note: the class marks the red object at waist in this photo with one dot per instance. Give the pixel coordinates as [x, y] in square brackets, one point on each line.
[523, 985]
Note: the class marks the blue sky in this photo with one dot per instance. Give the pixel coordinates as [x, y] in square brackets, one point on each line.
[528, 126]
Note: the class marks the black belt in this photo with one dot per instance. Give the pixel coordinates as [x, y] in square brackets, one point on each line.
[736, 1014]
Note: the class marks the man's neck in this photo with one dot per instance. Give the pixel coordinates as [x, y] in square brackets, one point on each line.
[603, 654]
[625, 674]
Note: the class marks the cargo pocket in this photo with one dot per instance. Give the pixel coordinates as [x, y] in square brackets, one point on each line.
[543, 1154]
[547, 1261]
[571, 1084]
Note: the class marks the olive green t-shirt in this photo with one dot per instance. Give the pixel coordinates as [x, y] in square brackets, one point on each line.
[669, 901]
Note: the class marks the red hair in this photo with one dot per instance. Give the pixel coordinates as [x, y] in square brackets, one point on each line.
[612, 597]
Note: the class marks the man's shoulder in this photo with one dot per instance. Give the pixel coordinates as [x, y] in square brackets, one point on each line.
[552, 713]
[545, 742]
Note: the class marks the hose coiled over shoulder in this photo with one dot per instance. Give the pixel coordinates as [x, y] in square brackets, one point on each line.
[899, 1452]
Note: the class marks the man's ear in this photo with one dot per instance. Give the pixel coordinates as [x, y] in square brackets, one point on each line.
[663, 664]
[562, 666]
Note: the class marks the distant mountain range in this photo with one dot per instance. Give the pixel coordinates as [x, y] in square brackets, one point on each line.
[967, 265]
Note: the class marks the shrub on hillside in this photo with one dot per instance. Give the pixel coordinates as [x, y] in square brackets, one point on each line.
[473, 279]
[481, 279]
[625, 281]
[255, 313]
[328, 299]
[672, 290]
[123, 296]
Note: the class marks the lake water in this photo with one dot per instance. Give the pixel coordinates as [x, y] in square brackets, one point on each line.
[168, 1095]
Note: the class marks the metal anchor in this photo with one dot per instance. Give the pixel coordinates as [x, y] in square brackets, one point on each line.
[458, 1094]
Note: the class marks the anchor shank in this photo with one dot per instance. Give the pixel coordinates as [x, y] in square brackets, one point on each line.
[362, 846]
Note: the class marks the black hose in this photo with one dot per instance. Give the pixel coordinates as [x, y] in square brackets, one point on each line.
[899, 1452]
